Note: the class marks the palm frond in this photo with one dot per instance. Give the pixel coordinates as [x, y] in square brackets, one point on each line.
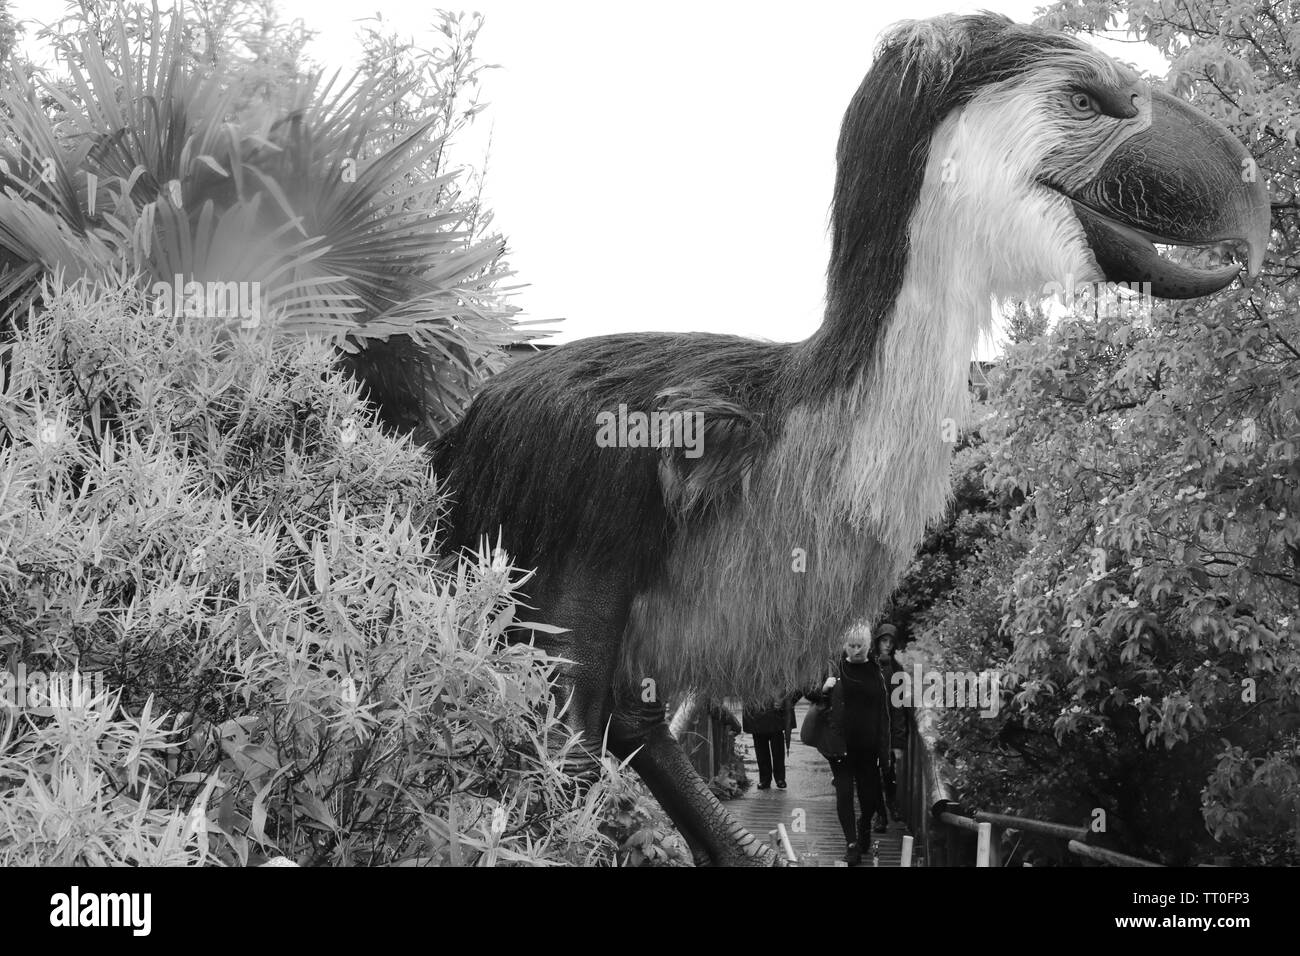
[325, 203]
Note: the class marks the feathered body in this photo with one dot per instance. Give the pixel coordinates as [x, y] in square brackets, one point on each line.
[821, 501]
[837, 447]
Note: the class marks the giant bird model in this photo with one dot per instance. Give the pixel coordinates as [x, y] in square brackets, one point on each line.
[979, 158]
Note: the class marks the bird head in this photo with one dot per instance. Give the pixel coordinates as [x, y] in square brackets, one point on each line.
[1043, 159]
[1173, 176]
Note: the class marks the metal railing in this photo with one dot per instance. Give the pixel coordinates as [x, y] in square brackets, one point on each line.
[946, 836]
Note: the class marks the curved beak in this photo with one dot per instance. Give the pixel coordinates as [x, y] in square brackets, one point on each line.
[1185, 180]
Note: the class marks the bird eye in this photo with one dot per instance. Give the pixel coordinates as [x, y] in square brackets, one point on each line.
[1082, 103]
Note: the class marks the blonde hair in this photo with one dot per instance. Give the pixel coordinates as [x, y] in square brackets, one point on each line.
[860, 629]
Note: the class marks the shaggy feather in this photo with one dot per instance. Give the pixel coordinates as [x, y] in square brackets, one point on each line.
[695, 489]
[525, 456]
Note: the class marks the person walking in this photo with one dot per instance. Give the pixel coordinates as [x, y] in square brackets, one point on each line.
[771, 726]
[882, 648]
[854, 735]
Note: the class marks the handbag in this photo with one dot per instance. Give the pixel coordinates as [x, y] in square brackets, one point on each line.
[810, 731]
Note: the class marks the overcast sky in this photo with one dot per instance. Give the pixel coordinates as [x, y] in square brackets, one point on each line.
[661, 165]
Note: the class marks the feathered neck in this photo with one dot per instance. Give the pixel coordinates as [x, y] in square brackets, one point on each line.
[882, 438]
[924, 74]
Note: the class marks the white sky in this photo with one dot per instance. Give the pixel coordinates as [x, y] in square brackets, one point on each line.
[660, 166]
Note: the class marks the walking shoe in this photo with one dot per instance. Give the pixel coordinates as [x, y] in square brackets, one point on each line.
[765, 786]
[853, 856]
[781, 784]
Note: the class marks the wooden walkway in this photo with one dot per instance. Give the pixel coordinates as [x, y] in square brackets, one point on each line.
[810, 790]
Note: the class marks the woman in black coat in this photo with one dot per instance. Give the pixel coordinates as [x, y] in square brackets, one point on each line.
[858, 732]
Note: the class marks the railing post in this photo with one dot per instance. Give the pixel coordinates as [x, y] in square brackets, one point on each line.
[784, 847]
[995, 847]
[918, 819]
[982, 846]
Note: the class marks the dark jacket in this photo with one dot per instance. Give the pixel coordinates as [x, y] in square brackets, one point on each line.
[831, 740]
[777, 719]
[902, 715]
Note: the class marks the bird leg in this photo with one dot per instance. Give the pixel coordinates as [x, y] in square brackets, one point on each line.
[592, 603]
[593, 609]
[713, 835]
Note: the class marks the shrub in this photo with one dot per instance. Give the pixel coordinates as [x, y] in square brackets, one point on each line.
[211, 521]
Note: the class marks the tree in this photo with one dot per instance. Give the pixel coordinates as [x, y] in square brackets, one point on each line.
[324, 199]
[9, 31]
[1148, 626]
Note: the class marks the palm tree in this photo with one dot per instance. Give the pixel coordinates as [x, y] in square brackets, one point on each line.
[141, 164]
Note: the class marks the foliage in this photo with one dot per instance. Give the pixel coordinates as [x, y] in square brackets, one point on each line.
[725, 785]
[243, 43]
[731, 780]
[9, 31]
[214, 524]
[974, 516]
[151, 164]
[637, 825]
[1141, 599]
[444, 81]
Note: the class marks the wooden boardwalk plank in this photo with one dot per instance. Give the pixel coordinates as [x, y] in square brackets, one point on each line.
[810, 790]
